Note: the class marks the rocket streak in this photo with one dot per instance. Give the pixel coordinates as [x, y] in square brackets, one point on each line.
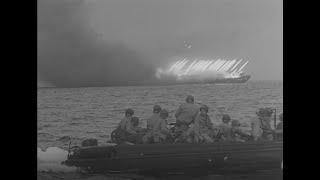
[174, 65]
[207, 66]
[236, 65]
[230, 65]
[234, 72]
[190, 67]
[200, 64]
[238, 70]
[242, 66]
[195, 66]
[203, 65]
[178, 66]
[233, 66]
[185, 68]
[217, 65]
[225, 66]
[222, 66]
[212, 66]
[222, 63]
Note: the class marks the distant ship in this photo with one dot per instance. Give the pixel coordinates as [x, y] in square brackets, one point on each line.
[219, 80]
[243, 78]
[197, 71]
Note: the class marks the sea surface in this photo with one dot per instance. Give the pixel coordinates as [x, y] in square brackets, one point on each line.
[93, 112]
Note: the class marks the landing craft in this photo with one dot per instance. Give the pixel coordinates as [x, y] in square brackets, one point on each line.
[220, 158]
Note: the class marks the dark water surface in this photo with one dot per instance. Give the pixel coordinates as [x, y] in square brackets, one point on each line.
[96, 111]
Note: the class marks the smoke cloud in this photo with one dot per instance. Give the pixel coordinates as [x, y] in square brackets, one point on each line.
[122, 42]
[71, 54]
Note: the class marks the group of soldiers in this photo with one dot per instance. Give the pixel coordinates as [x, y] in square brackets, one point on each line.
[193, 125]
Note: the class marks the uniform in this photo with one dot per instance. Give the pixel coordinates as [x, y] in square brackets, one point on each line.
[256, 131]
[225, 131]
[126, 125]
[151, 121]
[202, 129]
[185, 115]
[158, 132]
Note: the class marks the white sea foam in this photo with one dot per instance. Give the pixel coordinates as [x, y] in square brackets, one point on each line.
[51, 158]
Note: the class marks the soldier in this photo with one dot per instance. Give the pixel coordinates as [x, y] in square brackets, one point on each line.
[135, 137]
[159, 132]
[261, 126]
[154, 117]
[125, 123]
[237, 134]
[280, 125]
[124, 128]
[186, 114]
[279, 129]
[203, 127]
[225, 128]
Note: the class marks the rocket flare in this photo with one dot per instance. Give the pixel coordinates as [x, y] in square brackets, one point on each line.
[236, 65]
[202, 68]
[213, 65]
[223, 68]
[217, 65]
[242, 66]
[230, 65]
[222, 65]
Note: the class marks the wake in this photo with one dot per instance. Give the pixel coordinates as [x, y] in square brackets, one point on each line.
[50, 160]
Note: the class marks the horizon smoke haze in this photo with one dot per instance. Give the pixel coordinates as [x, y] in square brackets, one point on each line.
[71, 54]
[122, 42]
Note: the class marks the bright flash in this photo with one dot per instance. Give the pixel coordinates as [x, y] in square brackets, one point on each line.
[202, 69]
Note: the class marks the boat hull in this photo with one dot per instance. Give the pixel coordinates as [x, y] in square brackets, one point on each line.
[216, 158]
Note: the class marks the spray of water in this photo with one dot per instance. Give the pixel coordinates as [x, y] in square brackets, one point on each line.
[50, 160]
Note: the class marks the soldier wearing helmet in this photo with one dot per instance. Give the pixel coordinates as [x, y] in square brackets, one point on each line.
[225, 128]
[154, 117]
[203, 126]
[261, 126]
[159, 131]
[186, 113]
[236, 133]
[125, 129]
[125, 123]
[264, 115]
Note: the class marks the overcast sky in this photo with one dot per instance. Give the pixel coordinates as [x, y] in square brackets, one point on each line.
[83, 43]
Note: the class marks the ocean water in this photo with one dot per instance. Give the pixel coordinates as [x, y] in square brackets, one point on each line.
[93, 112]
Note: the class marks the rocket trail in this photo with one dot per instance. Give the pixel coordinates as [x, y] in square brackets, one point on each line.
[185, 69]
[242, 66]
